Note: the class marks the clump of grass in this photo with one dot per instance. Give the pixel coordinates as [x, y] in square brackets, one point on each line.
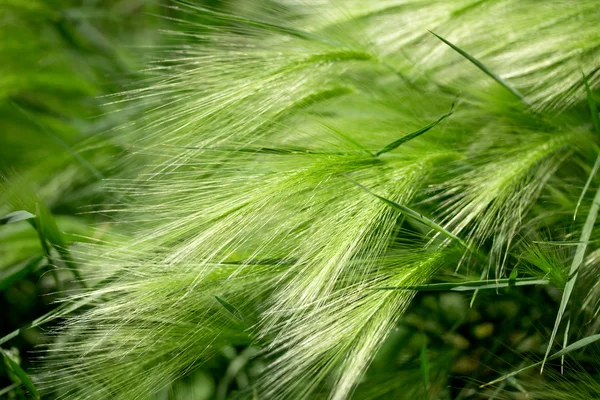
[287, 170]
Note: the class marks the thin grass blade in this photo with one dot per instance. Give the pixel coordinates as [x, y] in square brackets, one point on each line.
[60, 142]
[413, 214]
[16, 216]
[573, 272]
[22, 375]
[10, 275]
[469, 286]
[234, 311]
[481, 66]
[575, 346]
[596, 122]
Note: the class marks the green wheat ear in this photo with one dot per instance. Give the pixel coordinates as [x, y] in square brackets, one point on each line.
[244, 222]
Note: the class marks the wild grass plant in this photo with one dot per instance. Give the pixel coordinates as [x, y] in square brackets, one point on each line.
[336, 199]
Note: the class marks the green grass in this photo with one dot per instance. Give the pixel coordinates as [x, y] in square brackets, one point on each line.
[273, 199]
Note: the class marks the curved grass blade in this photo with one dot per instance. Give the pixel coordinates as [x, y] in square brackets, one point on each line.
[16, 216]
[413, 214]
[414, 134]
[481, 66]
[575, 346]
[574, 271]
[565, 341]
[22, 375]
[471, 285]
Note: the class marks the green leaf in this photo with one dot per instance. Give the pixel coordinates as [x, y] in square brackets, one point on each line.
[574, 271]
[413, 135]
[234, 311]
[596, 122]
[22, 375]
[16, 216]
[10, 275]
[470, 285]
[481, 66]
[575, 346]
[413, 214]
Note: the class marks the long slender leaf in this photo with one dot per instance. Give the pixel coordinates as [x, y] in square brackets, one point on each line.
[575, 346]
[413, 214]
[469, 286]
[413, 135]
[22, 375]
[16, 216]
[481, 66]
[574, 271]
[9, 388]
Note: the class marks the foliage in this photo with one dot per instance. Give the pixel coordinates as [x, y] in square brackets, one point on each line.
[311, 200]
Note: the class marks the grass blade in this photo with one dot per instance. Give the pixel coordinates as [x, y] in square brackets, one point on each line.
[9, 388]
[10, 275]
[413, 214]
[587, 185]
[587, 229]
[234, 311]
[574, 271]
[469, 286]
[575, 346]
[16, 216]
[481, 66]
[565, 341]
[22, 375]
[413, 135]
